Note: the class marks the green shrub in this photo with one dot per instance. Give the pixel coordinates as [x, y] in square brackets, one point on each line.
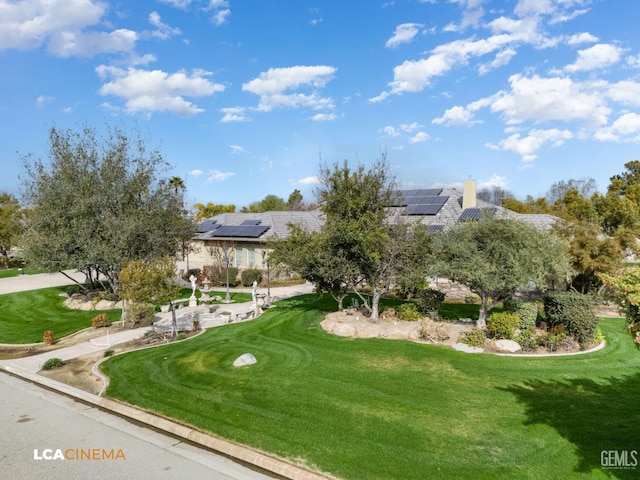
[73, 289]
[526, 311]
[575, 312]
[473, 338]
[554, 337]
[250, 275]
[180, 336]
[503, 325]
[140, 314]
[108, 352]
[428, 300]
[51, 363]
[233, 277]
[529, 339]
[409, 312]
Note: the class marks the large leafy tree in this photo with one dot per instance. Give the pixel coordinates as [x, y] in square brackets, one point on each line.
[267, 204]
[10, 224]
[100, 202]
[143, 282]
[211, 210]
[496, 257]
[355, 206]
[312, 256]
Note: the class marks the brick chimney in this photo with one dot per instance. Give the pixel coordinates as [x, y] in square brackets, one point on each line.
[469, 194]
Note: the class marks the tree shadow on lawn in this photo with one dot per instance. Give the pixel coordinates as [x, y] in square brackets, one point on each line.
[593, 416]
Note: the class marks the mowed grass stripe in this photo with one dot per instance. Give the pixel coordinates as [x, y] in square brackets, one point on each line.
[392, 409]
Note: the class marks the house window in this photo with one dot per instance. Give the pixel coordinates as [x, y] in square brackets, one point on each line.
[252, 257]
[239, 256]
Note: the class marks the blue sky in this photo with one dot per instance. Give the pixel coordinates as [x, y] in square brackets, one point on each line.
[247, 98]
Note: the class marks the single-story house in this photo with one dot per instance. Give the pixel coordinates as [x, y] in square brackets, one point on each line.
[243, 236]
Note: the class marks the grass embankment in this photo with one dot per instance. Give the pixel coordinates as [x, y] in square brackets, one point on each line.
[25, 316]
[384, 409]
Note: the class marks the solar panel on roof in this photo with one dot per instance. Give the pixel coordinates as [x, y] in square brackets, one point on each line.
[207, 225]
[251, 222]
[422, 209]
[470, 214]
[241, 231]
[435, 228]
[432, 192]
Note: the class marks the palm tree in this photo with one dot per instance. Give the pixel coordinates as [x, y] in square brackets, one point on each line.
[177, 184]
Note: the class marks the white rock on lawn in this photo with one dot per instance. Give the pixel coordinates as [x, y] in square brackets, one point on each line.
[244, 359]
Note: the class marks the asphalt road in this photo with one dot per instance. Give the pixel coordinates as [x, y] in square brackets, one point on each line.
[33, 419]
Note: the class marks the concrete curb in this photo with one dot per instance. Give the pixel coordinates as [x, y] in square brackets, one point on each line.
[243, 454]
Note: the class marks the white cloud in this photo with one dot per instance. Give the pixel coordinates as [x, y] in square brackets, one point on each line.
[221, 17]
[163, 31]
[234, 114]
[419, 137]
[390, 131]
[324, 117]
[580, 38]
[410, 127]
[271, 86]
[502, 58]
[41, 100]
[529, 145]
[155, 90]
[625, 128]
[455, 117]
[404, 33]
[196, 172]
[67, 44]
[495, 181]
[61, 26]
[236, 149]
[626, 92]
[601, 55]
[309, 180]
[556, 98]
[183, 4]
[633, 61]
[218, 176]
[221, 11]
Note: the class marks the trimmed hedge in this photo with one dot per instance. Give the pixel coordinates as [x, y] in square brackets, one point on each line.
[247, 277]
[575, 312]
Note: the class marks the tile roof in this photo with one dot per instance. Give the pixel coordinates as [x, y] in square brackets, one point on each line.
[449, 214]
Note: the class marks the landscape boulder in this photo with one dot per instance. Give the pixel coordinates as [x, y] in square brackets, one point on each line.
[507, 346]
[245, 359]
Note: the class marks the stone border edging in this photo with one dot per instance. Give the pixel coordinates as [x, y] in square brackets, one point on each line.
[208, 441]
[552, 355]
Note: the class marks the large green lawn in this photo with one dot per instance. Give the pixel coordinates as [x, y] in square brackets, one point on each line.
[374, 409]
[25, 316]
